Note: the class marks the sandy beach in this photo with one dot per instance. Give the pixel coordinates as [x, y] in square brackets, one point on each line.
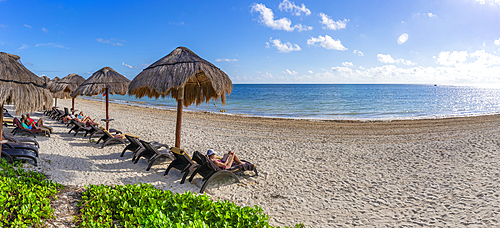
[440, 172]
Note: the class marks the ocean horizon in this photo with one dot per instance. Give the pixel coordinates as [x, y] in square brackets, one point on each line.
[341, 101]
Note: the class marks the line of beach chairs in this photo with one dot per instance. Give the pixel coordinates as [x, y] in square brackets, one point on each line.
[153, 151]
[15, 147]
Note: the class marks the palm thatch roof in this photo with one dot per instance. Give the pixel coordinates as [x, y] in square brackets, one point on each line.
[46, 80]
[20, 86]
[182, 68]
[97, 83]
[58, 94]
[51, 82]
[66, 85]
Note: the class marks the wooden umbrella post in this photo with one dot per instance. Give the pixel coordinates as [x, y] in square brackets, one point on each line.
[73, 106]
[107, 109]
[55, 102]
[180, 97]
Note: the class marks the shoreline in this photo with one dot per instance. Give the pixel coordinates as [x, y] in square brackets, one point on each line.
[436, 172]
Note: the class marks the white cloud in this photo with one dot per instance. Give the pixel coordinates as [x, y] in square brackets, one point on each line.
[283, 47]
[45, 30]
[492, 2]
[288, 6]
[301, 28]
[331, 24]
[342, 69]
[358, 52]
[479, 67]
[484, 59]
[176, 23]
[267, 18]
[24, 46]
[392, 73]
[226, 60]
[431, 15]
[50, 45]
[310, 72]
[113, 41]
[327, 42]
[27, 26]
[388, 59]
[124, 64]
[31, 64]
[497, 42]
[447, 58]
[288, 72]
[101, 40]
[403, 38]
[347, 64]
[385, 58]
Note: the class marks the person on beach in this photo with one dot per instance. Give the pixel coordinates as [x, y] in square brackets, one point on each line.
[38, 123]
[227, 161]
[28, 124]
[79, 118]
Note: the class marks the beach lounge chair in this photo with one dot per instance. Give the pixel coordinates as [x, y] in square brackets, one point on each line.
[7, 121]
[79, 127]
[21, 146]
[135, 146]
[210, 171]
[152, 152]
[19, 153]
[95, 131]
[108, 138]
[66, 111]
[53, 113]
[20, 129]
[182, 162]
[58, 114]
[25, 140]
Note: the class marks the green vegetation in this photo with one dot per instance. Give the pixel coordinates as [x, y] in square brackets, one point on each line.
[145, 206]
[24, 196]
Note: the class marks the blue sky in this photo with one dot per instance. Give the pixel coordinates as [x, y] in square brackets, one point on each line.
[279, 41]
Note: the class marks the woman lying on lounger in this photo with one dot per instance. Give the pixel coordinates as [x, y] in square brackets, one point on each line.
[38, 123]
[28, 124]
[227, 161]
[79, 118]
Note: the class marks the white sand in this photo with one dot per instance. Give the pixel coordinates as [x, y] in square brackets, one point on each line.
[324, 174]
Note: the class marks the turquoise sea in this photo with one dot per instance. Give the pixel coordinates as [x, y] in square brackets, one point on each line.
[342, 101]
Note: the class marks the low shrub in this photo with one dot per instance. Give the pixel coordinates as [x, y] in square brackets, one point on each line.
[142, 205]
[25, 196]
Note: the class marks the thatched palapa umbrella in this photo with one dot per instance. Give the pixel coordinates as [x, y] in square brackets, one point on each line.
[186, 77]
[67, 85]
[61, 94]
[104, 80]
[21, 87]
